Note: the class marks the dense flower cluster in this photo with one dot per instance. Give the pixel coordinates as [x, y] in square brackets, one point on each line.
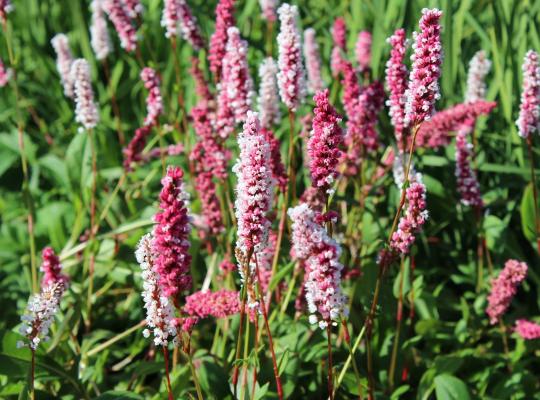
[504, 288]
[99, 35]
[527, 330]
[479, 67]
[86, 112]
[351, 89]
[363, 50]
[435, 132]
[467, 183]
[154, 102]
[268, 100]
[170, 243]
[423, 88]
[189, 28]
[201, 85]
[313, 61]
[291, 80]
[123, 24]
[324, 142]
[133, 151]
[218, 41]
[321, 253]
[160, 320]
[396, 81]
[64, 59]
[52, 269]
[268, 8]
[411, 223]
[339, 39]
[529, 111]
[220, 304]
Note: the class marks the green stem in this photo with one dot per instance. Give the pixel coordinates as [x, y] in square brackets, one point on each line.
[194, 375]
[392, 369]
[535, 192]
[91, 238]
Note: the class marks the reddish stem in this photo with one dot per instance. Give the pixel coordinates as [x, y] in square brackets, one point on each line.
[166, 356]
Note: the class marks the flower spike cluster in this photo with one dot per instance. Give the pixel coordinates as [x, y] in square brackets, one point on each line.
[177, 19]
[527, 330]
[325, 299]
[170, 243]
[123, 24]
[504, 288]
[423, 89]
[529, 111]
[467, 183]
[218, 41]
[396, 81]
[99, 35]
[154, 102]
[64, 59]
[313, 62]
[268, 94]
[86, 112]
[324, 142]
[363, 50]
[291, 78]
[412, 222]
[479, 67]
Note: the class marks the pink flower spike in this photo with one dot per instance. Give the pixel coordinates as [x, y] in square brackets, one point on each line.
[5, 74]
[99, 35]
[467, 183]
[529, 110]
[414, 219]
[337, 60]
[133, 151]
[64, 59]
[351, 89]
[171, 236]
[504, 288]
[479, 67]
[52, 269]
[5, 8]
[423, 90]
[86, 112]
[278, 169]
[291, 80]
[363, 50]
[396, 81]
[268, 8]
[324, 142]
[218, 41]
[313, 61]
[339, 33]
[268, 94]
[220, 304]
[119, 16]
[133, 8]
[201, 85]
[154, 102]
[528, 330]
[189, 27]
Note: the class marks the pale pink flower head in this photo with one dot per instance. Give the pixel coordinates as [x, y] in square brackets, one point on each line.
[5, 8]
[254, 190]
[529, 110]
[396, 82]
[479, 67]
[268, 93]
[339, 33]
[170, 17]
[171, 235]
[64, 59]
[99, 35]
[5, 74]
[363, 50]
[291, 80]
[268, 8]
[423, 89]
[218, 41]
[52, 269]
[86, 112]
[324, 142]
[528, 330]
[119, 15]
[412, 221]
[154, 102]
[313, 62]
[504, 288]
[467, 182]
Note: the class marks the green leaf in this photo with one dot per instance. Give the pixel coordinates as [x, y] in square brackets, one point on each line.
[448, 387]
[527, 212]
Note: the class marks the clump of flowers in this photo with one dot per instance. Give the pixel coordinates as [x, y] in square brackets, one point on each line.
[363, 50]
[291, 79]
[64, 59]
[467, 183]
[423, 88]
[99, 35]
[52, 269]
[529, 111]
[479, 67]
[220, 304]
[414, 219]
[324, 142]
[154, 102]
[123, 24]
[313, 61]
[504, 288]
[528, 330]
[218, 41]
[86, 112]
[268, 93]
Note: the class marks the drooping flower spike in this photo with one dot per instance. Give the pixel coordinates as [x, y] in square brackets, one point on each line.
[479, 67]
[291, 80]
[313, 62]
[99, 35]
[529, 111]
[268, 100]
[86, 112]
[64, 59]
[123, 24]
[423, 89]
[504, 288]
[154, 102]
